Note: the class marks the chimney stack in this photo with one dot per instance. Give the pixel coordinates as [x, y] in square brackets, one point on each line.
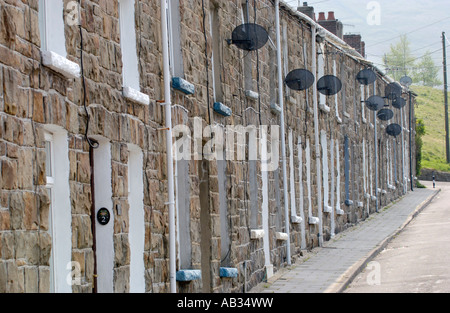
[331, 24]
[321, 16]
[331, 16]
[307, 10]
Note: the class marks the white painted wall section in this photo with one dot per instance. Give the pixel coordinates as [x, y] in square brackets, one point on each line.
[137, 219]
[294, 217]
[301, 194]
[311, 219]
[339, 211]
[333, 189]
[103, 199]
[363, 106]
[321, 72]
[265, 205]
[336, 105]
[324, 142]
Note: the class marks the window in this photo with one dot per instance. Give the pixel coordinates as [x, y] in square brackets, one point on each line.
[248, 75]
[53, 41]
[336, 98]
[321, 72]
[215, 35]
[176, 55]
[51, 26]
[60, 216]
[130, 70]
[128, 44]
[286, 55]
[363, 99]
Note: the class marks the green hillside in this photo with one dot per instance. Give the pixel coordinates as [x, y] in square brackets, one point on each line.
[430, 108]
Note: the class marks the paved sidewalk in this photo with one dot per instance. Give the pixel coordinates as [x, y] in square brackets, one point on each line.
[331, 268]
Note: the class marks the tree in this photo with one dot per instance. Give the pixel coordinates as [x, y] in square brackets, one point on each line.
[399, 61]
[427, 72]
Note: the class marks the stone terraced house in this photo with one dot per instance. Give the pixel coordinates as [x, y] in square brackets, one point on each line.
[95, 93]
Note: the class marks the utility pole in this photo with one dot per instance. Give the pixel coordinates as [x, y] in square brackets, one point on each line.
[447, 142]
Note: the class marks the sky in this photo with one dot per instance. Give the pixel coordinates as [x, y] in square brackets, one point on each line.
[382, 22]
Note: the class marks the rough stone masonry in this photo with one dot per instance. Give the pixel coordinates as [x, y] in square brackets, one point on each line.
[230, 213]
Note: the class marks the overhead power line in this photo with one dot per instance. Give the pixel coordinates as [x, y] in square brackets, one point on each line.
[410, 32]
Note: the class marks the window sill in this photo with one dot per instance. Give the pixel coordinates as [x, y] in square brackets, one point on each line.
[136, 96]
[324, 108]
[183, 85]
[60, 64]
[228, 272]
[313, 220]
[188, 275]
[222, 109]
[282, 236]
[296, 220]
[275, 109]
[252, 95]
[257, 234]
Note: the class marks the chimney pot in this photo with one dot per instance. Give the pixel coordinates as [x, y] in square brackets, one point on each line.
[331, 16]
[321, 16]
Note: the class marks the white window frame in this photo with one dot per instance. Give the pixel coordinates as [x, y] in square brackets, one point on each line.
[130, 69]
[48, 137]
[60, 210]
[53, 43]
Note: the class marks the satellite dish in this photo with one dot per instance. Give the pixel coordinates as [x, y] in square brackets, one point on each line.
[299, 79]
[399, 103]
[366, 77]
[406, 81]
[385, 114]
[394, 130]
[393, 91]
[375, 103]
[249, 37]
[329, 85]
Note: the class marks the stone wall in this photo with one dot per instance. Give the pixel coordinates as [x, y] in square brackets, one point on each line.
[428, 174]
[33, 96]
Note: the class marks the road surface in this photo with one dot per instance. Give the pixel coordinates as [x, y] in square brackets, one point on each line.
[418, 259]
